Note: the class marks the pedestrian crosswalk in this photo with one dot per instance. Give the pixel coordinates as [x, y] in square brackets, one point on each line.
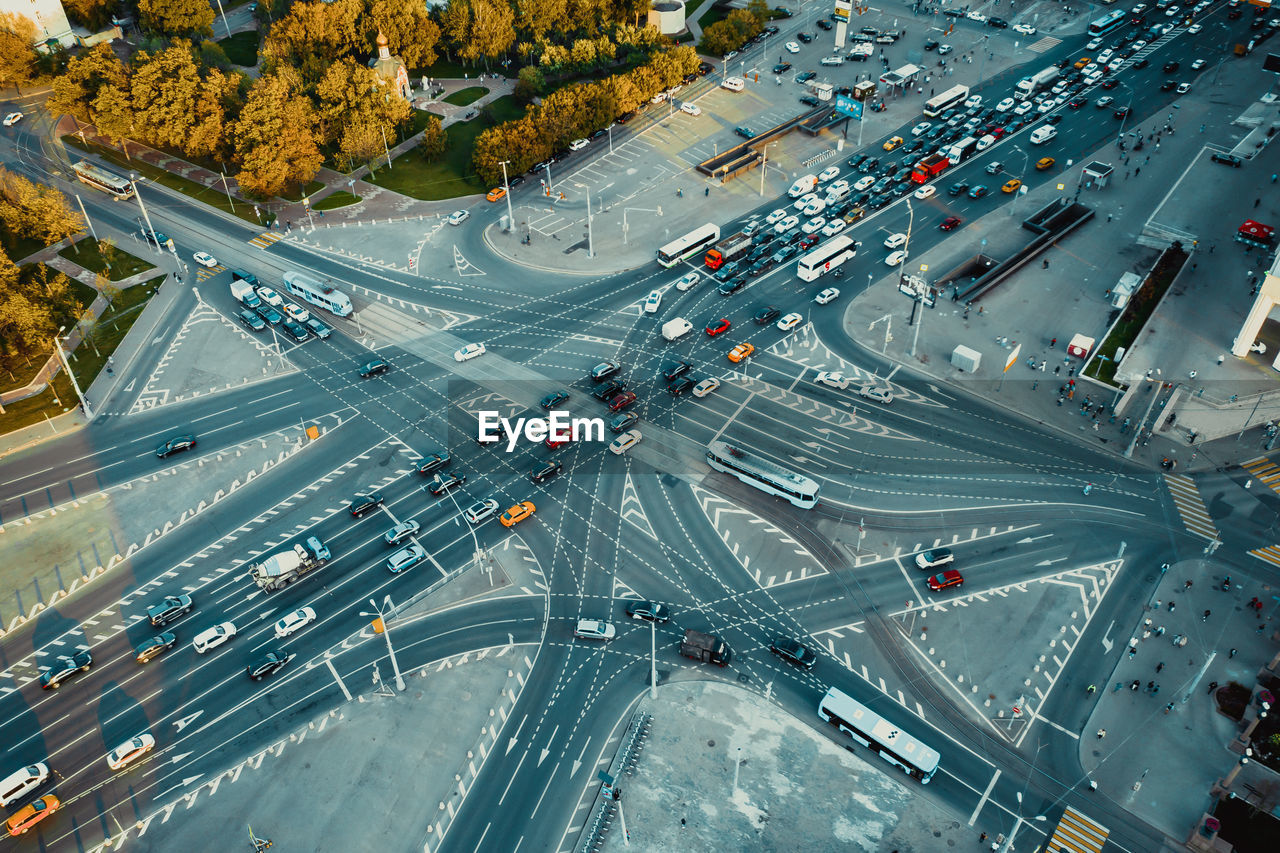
[1270, 554]
[1190, 506]
[1044, 44]
[1077, 833]
[1265, 470]
[266, 238]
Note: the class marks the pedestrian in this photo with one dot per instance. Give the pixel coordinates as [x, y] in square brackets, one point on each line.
[1053, 343]
[1137, 170]
[1102, 733]
[1231, 654]
[1108, 217]
[1157, 607]
[1202, 128]
[1213, 685]
[1205, 617]
[1186, 585]
[1256, 202]
[1151, 685]
[1273, 177]
[1045, 264]
[682, 823]
[980, 310]
[982, 838]
[1168, 708]
[1059, 399]
[1159, 667]
[1135, 685]
[1170, 606]
[706, 191]
[1091, 688]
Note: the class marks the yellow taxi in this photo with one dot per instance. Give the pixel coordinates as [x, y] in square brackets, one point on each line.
[740, 352]
[1011, 186]
[1045, 163]
[893, 143]
[32, 813]
[497, 194]
[1082, 62]
[517, 513]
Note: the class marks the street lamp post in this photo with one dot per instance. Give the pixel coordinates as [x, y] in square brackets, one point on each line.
[84, 404]
[1019, 820]
[1026, 162]
[591, 252]
[764, 166]
[511, 217]
[133, 182]
[627, 210]
[480, 553]
[386, 632]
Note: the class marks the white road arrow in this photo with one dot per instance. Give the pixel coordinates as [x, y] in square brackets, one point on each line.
[542, 756]
[511, 744]
[178, 759]
[1029, 539]
[576, 765]
[188, 780]
[1051, 562]
[186, 721]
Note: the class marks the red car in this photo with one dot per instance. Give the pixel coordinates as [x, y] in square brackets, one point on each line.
[620, 402]
[950, 222]
[998, 132]
[809, 242]
[717, 326]
[554, 443]
[948, 578]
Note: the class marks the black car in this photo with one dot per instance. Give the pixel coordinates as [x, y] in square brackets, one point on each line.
[888, 167]
[1053, 119]
[360, 504]
[598, 135]
[1168, 85]
[857, 160]
[1170, 66]
[781, 67]
[1121, 113]
[785, 253]
[171, 607]
[744, 132]
[268, 664]
[515, 181]
[433, 461]
[297, 331]
[1141, 63]
[623, 422]
[809, 100]
[760, 267]
[649, 611]
[767, 314]
[443, 485]
[251, 321]
[152, 648]
[869, 31]
[537, 167]
[603, 369]
[930, 44]
[902, 176]
[269, 314]
[733, 285]
[762, 238]
[998, 23]
[175, 445]
[805, 37]
[727, 271]
[822, 24]
[1226, 159]
[608, 389]
[913, 146]
[879, 201]
[622, 119]
[684, 383]
[806, 76]
[1110, 83]
[545, 471]
[881, 185]
[65, 667]
[704, 68]
[554, 399]
[859, 200]
[373, 368]
[794, 652]
[674, 369]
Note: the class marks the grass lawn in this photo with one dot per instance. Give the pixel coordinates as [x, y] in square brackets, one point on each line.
[212, 196]
[449, 177]
[88, 359]
[296, 195]
[339, 198]
[506, 108]
[715, 13]
[242, 48]
[18, 248]
[469, 95]
[88, 254]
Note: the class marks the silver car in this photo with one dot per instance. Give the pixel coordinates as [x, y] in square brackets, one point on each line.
[406, 558]
[400, 532]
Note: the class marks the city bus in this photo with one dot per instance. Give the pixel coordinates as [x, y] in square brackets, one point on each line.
[305, 287]
[1108, 22]
[953, 97]
[889, 741]
[690, 244]
[826, 257]
[762, 474]
[99, 178]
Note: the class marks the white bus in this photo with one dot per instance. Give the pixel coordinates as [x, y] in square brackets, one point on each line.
[826, 257]
[305, 287]
[763, 474]
[953, 97]
[1108, 22]
[690, 244]
[99, 178]
[871, 730]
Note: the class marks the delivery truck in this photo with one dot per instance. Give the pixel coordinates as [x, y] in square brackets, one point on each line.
[707, 648]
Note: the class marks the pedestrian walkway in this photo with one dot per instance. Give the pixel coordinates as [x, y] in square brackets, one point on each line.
[1269, 554]
[1265, 470]
[1076, 833]
[266, 238]
[1195, 516]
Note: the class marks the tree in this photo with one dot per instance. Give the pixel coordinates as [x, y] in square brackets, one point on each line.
[213, 56]
[759, 9]
[17, 51]
[747, 24]
[35, 211]
[719, 38]
[177, 17]
[410, 32]
[434, 140]
[530, 83]
[314, 35]
[539, 17]
[94, 14]
[275, 136]
[34, 303]
[75, 92]
[163, 92]
[492, 30]
[351, 94]
[216, 104]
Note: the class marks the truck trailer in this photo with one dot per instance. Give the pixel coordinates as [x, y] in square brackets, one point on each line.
[1028, 86]
[733, 246]
[929, 168]
[280, 570]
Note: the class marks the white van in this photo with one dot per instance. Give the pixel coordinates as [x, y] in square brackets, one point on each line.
[804, 184]
[986, 142]
[734, 84]
[1042, 135]
[832, 60]
[836, 194]
[18, 785]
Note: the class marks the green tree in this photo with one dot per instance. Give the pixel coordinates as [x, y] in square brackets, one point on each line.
[530, 83]
[747, 24]
[410, 32]
[434, 140]
[720, 38]
[177, 17]
[213, 56]
[759, 10]
[17, 53]
[276, 136]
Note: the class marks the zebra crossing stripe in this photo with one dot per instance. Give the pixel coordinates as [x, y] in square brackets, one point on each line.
[1190, 506]
[1265, 470]
[265, 239]
[1269, 554]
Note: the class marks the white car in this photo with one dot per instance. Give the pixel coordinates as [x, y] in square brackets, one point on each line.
[944, 49]
[895, 258]
[840, 186]
[1183, 88]
[1116, 64]
[205, 259]
[827, 296]
[687, 281]
[828, 174]
[1171, 11]
[973, 102]
[299, 618]
[1023, 108]
[789, 322]
[977, 16]
[592, 629]
[1198, 64]
[270, 297]
[1024, 29]
[401, 532]
[1094, 44]
[690, 109]
[458, 217]
[922, 127]
[834, 227]
[804, 200]
[1006, 105]
[814, 224]
[578, 144]
[1104, 57]
[834, 380]
[706, 386]
[130, 751]
[1138, 45]
[1046, 106]
[814, 207]
[864, 183]
[12, 118]
[624, 442]
[786, 225]
[926, 192]
[1194, 28]
[873, 392]
[893, 241]
[653, 302]
[1104, 102]
[211, 638]
[792, 47]
[301, 315]
[480, 511]
[776, 216]
[469, 352]
[658, 98]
